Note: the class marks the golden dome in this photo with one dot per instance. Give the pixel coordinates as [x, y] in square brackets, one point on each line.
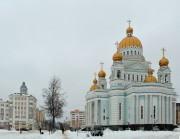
[101, 74]
[129, 30]
[150, 78]
[95, 81]
[130, 40]
[117, 56]
[94, 87]
[150, 71]
[163, 62]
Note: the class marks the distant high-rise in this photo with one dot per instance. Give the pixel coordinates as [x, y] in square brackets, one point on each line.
[77, 119]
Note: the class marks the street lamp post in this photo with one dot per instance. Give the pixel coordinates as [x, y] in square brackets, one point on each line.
[77, 126]
[68, 122]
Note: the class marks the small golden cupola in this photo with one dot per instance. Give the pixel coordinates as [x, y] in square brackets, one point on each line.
[130, 40]
[117, 56]
[163, 61]
[150, 77]
[101, 73]
[94, 86]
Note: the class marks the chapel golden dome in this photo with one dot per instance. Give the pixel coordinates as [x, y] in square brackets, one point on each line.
[95, 81]
[150, 71]
[129, 30]
[94, 86]
[117, 56]
[150, 77]
[130, 40]
[101, 74]
[163, 61]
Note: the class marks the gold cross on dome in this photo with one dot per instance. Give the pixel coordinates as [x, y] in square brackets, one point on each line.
[149, 62]
[163, 50]
[95, 74]
[102, 65]
[117, 44]
[129, 22]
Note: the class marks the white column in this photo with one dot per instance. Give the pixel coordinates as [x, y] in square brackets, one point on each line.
[163, 114]
[167, 110]
[159, 120]
[132, 110]
[90, 114]
[170, 110]
[150, 106]
[87, 113]
[137, 101]
[95, 113]
[146, 112]
[174, 113]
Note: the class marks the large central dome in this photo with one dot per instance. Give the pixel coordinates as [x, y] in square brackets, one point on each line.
[130, 41]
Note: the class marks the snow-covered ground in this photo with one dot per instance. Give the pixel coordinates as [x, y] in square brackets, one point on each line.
[4, 134]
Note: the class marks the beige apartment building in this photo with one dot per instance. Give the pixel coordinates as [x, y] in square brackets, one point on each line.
[77, 119]
[22, 109]
[40, 117]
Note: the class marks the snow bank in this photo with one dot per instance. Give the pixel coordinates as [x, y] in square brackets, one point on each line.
[108, 134]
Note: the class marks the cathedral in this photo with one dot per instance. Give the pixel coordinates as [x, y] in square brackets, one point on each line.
[135, 99]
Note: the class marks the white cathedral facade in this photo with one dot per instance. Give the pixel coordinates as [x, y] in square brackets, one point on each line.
[135, 99]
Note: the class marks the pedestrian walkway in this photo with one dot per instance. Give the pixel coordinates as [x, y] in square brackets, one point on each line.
[66, 135]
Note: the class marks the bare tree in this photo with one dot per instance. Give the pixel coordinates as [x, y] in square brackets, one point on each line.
[54, 100]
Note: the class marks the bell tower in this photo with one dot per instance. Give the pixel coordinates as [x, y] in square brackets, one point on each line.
[102, 80]
[164, 72]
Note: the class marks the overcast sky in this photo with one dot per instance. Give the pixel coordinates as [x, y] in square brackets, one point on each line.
[69, 38]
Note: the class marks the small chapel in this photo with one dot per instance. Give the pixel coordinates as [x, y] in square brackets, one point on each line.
[136, 99]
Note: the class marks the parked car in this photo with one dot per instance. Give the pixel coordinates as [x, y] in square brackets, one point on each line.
[97, 131]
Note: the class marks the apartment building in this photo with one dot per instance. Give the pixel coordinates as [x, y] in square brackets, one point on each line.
[77, 119]
[4, 114]
[22, 108]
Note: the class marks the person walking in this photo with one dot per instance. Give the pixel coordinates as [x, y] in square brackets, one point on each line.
[40, 130]
[62, 130]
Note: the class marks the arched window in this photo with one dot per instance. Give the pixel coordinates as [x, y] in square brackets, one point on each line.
[127, 52]
[132, 77]
[138, 52]
[118, 74]
[128, 77]
[137, 77]
[135, 52]
[131, 52]
[102, 86]
[141, 78]
[154, 112]
[141, 112]
[160, 78]
[166, 78]
[124, 76]
[119, 111]
[124, 53]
